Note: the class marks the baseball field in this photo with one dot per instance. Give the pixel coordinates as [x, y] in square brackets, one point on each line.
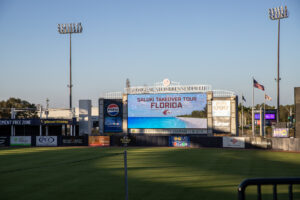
[154, 173]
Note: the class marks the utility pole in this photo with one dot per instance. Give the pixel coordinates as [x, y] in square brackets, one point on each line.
[47, 113]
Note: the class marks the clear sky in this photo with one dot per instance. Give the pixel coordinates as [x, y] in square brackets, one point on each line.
[215, 42]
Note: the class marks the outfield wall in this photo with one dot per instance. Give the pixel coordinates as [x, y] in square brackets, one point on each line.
[284, 144]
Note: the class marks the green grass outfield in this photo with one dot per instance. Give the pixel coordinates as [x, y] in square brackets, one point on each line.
[154, 173]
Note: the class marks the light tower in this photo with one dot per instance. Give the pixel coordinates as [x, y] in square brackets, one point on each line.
[69, 29]
[277, 14]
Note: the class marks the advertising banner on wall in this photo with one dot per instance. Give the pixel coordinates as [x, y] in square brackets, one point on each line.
[20, 141]
[103, 141]
[179, 141]
[281, 132]
[46, 141]
[220, 108]
[234, 142]
[221, 116]
[165, 111]
[113, 111]
[221, 124]
[73, 141]
[8, 122]
[4, 141]
[56, 121]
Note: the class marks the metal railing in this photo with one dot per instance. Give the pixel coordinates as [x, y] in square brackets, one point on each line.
[267, 181]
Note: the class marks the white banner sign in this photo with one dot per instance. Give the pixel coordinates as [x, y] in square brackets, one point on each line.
[46, 141]
[20, 141]
[221, 108]
[169, 89]
[234, 142]
[280, 132]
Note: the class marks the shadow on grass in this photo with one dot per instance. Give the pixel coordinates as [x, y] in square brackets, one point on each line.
[154, 173]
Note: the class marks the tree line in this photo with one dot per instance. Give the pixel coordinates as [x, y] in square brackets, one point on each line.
[26, 109]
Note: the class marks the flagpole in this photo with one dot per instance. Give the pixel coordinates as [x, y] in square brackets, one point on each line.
[242, 116]
[253, 128]
[265, 116]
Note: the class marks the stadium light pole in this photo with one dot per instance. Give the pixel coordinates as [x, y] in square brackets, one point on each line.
[277, 14]
[70, 29]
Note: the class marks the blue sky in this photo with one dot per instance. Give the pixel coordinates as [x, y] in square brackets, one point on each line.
[215, 42]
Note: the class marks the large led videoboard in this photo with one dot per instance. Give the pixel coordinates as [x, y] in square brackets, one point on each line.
[151, 111]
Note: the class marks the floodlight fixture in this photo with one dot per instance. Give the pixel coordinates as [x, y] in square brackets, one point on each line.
[278, 13]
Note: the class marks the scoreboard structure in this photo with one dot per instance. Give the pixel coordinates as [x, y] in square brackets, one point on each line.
[168, 108]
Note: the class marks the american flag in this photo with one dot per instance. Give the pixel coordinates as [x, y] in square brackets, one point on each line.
[268, 98]
[258, 86]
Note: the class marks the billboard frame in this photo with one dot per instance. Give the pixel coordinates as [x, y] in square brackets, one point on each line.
[161, 129]
[176, 88]
[168, 131]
